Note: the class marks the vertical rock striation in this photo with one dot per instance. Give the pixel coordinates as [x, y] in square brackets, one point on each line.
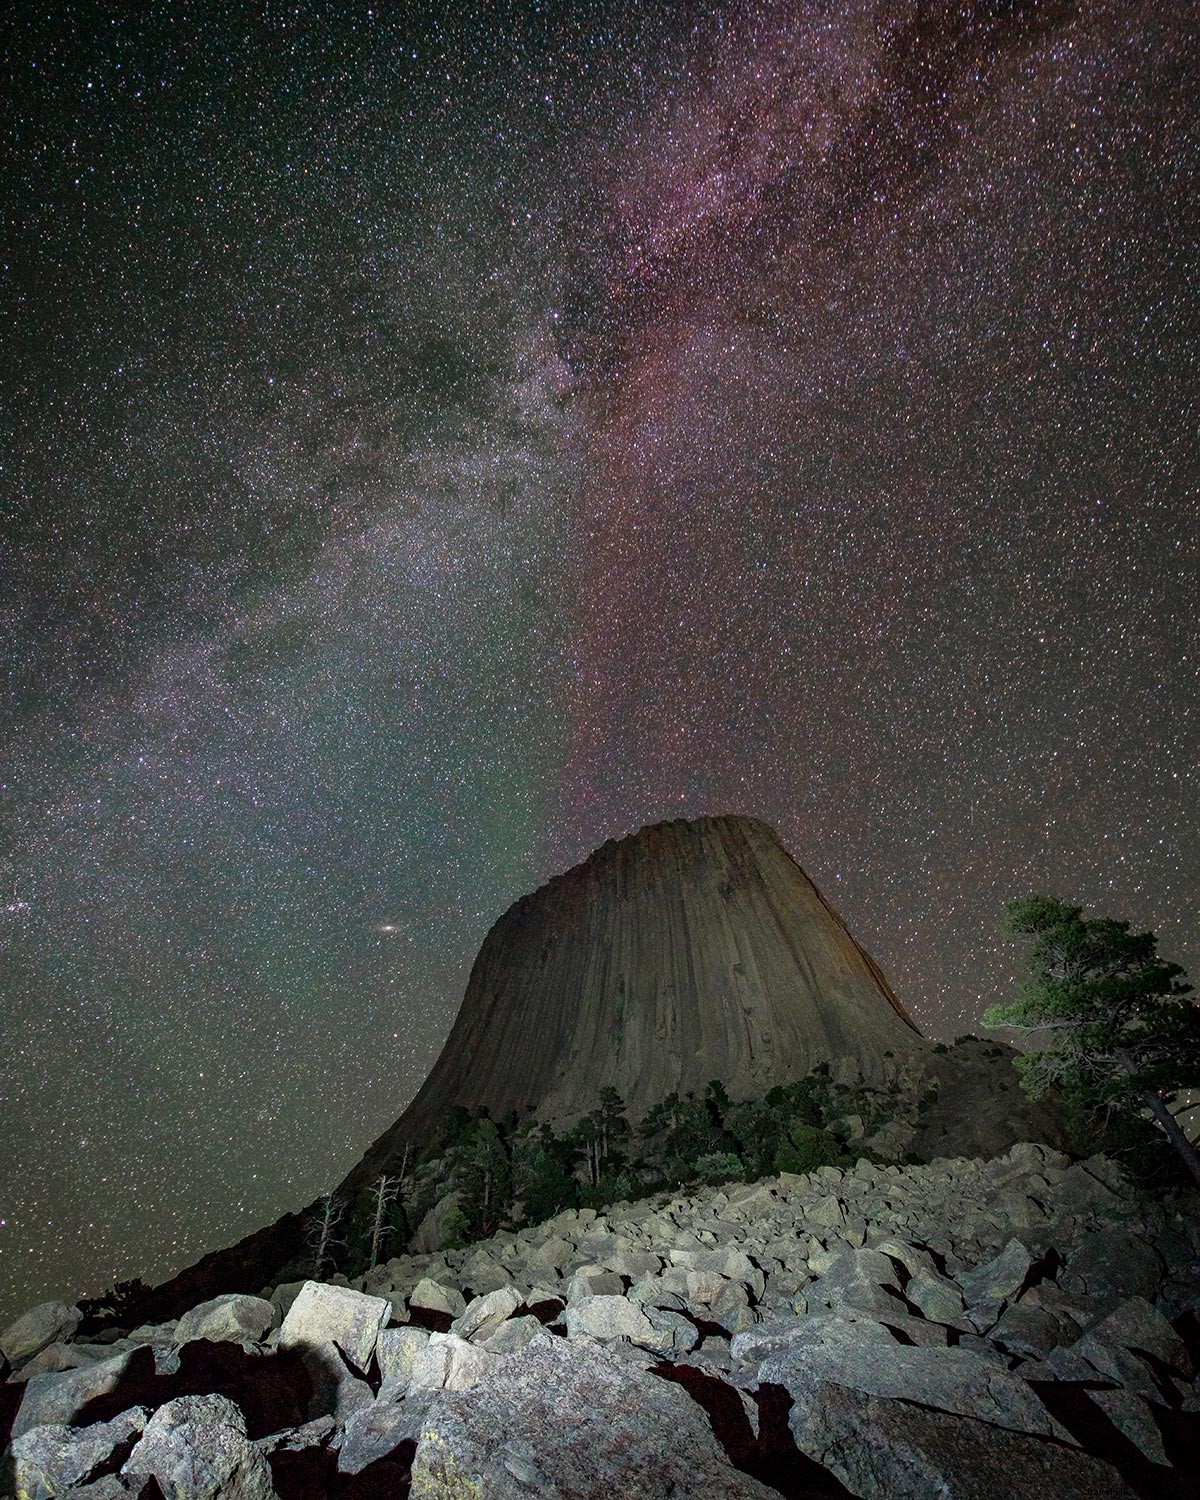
[686, 952]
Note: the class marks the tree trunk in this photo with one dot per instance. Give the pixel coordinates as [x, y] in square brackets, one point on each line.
[1157, 1106]
[1166, 1121]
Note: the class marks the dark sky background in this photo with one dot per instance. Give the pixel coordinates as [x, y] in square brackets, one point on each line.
[437, 440]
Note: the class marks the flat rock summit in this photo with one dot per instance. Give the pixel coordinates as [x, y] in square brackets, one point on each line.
[689, 951]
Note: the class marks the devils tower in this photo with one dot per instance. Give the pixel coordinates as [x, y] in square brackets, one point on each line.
[686, 952]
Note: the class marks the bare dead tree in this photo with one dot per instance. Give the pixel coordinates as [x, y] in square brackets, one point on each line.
[321, 1232]
[386, 1191]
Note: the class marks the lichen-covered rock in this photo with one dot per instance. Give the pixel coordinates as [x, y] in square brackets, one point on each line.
[48, 1461]
[891, 1450]
[615, 1432]
[608, 1318]
[513, 1335]
[196, 1448]
[322, 1313]
[48, 1323]
[831, 1351]
[379, 1429]
[231, 1318]
[395, 1350]
[450, 1363]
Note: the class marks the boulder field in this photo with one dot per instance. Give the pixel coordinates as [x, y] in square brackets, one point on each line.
[966, 1329]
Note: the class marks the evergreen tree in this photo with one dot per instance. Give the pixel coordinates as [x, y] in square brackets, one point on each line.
[481, 1174]
[542, 1178]
[1121, 1033]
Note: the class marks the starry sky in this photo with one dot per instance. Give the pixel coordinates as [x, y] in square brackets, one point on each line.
[438, 439]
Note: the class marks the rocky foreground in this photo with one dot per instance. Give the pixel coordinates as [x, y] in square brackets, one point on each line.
[967, 1329]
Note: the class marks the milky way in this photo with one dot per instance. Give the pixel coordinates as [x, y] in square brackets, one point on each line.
[434, 447]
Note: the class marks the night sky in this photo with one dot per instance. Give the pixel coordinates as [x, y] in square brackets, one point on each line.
[435, 442]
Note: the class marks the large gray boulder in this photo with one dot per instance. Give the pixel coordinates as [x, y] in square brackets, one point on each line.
[395, 1350]
[890, 1450]
[615, 1431]
[48, 1323]
[852, 1355]
[608, 1318]
[434, 1297]
[485, 1314]
[232, 1318]
[450, 1363]
[1112, 1265]
[196, 1448]
[863, 1279]
[322, 1313]
[48, 1461]
[57, 1397]
[380, 1428]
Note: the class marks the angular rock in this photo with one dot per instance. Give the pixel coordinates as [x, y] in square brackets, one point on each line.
[379, 1429]
[48, 1323]
[1000, 1279]
[296, 1439]
[673, 1334]
[608, 1318]
[632, 1263]
[863, 1279]
[323, 1313]
[450, 1363]
[890, 1450]
[50, 1460]
[284, 1295]
[435, 1297]
[55, 1398]
[395, 1350]
[231, 1318]
[652, 1291]
[1112, 1265]
[513, 1335]
[436, 1228]
[952, 1379]
[936, 1298]
[703, 1287]
[592, 1281]
[1134, 1419]
[59, 1357]
[338, 1388]
[617, 1432]
[485, 1314]
[1138, 1326]
[1028, 1330]
[196, 1448]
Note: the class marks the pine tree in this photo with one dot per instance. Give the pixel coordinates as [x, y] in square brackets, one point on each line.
[1121, 1032]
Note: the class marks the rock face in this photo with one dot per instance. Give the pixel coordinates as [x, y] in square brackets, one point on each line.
[686, 952]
